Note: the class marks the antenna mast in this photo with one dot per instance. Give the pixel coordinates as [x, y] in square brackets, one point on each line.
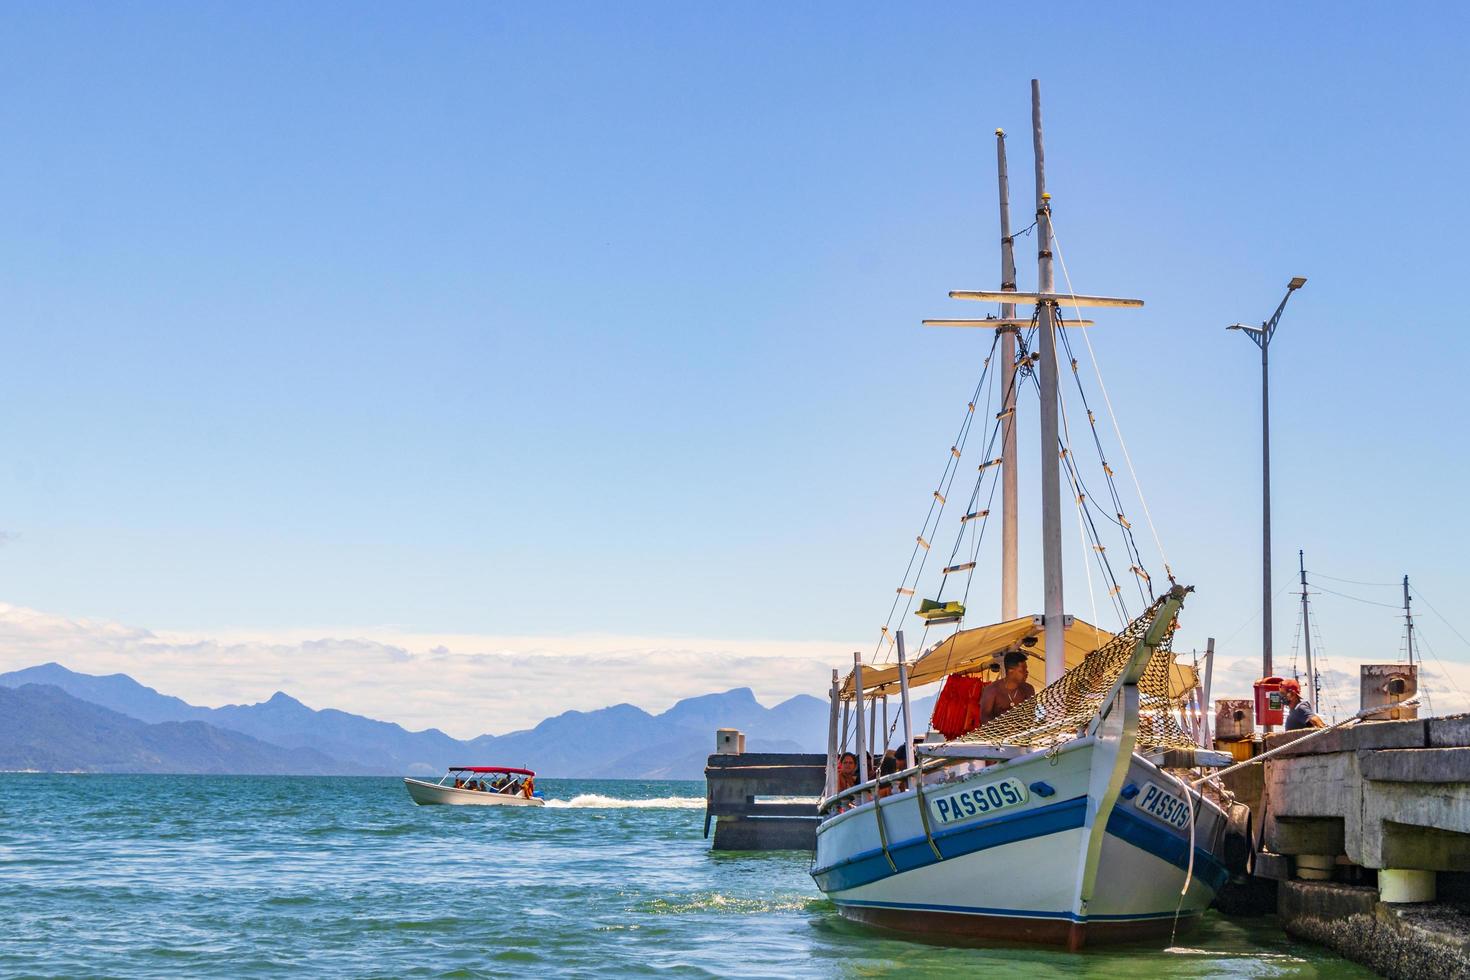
[1307, 633]
[1408, 622]
[1009, 497]
[1051, 474]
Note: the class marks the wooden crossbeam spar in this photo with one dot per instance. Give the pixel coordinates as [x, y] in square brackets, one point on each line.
[1065, 299]
[959, 568]
[999, 322]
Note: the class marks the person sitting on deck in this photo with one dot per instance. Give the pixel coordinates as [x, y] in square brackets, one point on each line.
[888, 767]
[1300, 716]
[458, 783]
[1003, 695]
[847, 771]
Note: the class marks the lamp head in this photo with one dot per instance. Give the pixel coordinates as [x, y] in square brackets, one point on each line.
[1244, 326]
[1297, 282]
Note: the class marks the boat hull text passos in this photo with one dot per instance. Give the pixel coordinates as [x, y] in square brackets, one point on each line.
[1011, 873]
[428, 793]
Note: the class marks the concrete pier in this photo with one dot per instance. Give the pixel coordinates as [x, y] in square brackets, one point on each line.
[1367, 832]
[1390, 795]
[736, 780]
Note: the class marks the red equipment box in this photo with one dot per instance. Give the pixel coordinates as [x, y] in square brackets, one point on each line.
[1270, 708]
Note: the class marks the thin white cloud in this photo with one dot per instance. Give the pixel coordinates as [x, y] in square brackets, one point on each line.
[469, 684]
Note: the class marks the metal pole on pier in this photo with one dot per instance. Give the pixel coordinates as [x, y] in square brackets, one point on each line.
[1266, 516]
[857, 700]
[1261, 337]
[1209, 705]
[1009, 496]
[1051, 475]
[1409, 624]
[1307, 633]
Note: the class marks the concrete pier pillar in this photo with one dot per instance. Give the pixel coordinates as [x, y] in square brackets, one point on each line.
[1315, 867]
[1399, 885]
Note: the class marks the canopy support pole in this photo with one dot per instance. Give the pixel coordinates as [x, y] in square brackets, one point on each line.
[831, 780]
[873, 725]
[903, 695]
[857, 700]
[885, 729]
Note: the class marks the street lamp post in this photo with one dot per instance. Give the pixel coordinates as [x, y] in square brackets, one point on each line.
[1261, 336]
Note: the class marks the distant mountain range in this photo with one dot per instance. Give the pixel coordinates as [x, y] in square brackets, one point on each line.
[44, 728]
[55, 719]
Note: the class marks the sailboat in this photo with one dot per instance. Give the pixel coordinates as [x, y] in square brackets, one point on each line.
[1078, 816]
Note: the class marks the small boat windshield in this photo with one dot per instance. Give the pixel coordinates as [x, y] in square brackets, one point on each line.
[486, 779]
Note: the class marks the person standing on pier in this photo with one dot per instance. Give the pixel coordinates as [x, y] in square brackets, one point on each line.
[1300, 714]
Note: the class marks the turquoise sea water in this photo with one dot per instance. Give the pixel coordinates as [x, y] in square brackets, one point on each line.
[261, 876]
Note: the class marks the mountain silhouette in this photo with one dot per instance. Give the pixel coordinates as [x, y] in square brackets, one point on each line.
[619, 741]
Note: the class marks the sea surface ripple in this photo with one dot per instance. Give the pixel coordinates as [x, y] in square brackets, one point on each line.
[239, 876]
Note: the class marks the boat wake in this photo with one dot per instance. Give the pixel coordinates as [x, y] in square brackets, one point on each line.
[596, 801]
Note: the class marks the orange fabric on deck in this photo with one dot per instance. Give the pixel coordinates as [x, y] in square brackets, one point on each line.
[958, 709]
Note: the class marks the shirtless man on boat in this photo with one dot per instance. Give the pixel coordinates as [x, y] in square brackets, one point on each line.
[1003, 695]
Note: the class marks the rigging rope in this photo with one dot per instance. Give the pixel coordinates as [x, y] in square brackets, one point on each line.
[1331, 578]
[1130, 544]
[1420, 596]
[1127, 456]
[1368, 602]
[1081, 495]
[921, 547]
[1080, 490]
[1419, 638]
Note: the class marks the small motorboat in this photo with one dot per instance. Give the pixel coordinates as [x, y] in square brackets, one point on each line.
[477, 786]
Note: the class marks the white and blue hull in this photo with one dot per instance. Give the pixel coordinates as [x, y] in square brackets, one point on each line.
[1011, 857]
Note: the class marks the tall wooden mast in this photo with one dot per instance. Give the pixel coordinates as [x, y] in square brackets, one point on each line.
[1009, 498]
[1046, 300]
[1051, 472]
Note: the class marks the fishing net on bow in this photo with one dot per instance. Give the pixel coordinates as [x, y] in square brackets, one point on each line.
[1063, 709]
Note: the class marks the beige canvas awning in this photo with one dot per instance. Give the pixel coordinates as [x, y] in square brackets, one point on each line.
[969, 651]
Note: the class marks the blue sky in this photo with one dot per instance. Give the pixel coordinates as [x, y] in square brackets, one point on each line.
[602, 320]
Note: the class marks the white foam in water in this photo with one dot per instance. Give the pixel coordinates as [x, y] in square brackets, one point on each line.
[596, 801]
